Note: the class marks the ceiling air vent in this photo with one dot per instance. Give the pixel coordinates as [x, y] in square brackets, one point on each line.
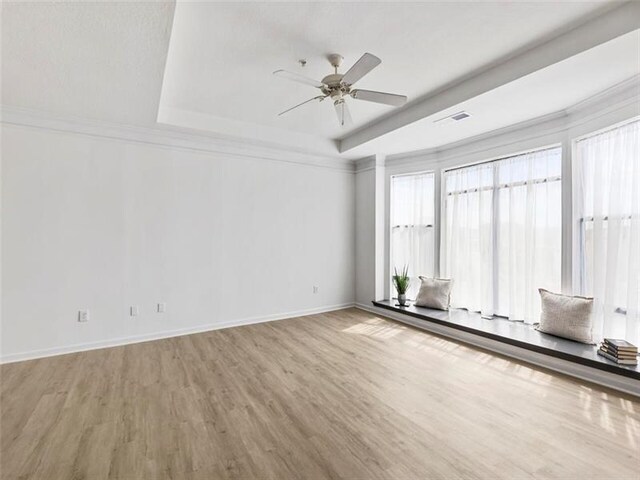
[456, 117]
[460, 116]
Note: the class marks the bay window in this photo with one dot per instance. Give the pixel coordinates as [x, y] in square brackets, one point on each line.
[501, 230]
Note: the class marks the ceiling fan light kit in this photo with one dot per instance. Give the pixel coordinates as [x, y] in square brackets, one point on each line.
[338, 86]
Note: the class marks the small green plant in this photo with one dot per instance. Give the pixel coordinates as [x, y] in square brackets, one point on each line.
[401, 280]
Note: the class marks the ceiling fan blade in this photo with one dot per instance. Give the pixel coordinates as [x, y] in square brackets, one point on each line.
[319, 97]
[379, 97]
[344, 117]
[364, 65]
[298, 78]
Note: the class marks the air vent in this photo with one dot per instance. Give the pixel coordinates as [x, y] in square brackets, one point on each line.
[456, 117]
[460, 116]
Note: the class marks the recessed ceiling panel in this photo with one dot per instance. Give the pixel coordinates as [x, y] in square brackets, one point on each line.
[222, 55]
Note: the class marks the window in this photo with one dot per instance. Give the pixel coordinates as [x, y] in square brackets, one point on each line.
[412, 226]
[502, 233]
[606, 182]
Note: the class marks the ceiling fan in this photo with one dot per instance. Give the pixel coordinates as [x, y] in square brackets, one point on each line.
[337, 86]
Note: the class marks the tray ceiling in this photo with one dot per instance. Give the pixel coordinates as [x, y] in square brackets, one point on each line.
[207, 66]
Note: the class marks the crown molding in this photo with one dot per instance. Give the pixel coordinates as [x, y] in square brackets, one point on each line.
[369, 163]
[619, 95]
[478, 143]
[624, 96]
[170, 137]
[614, 22]
[227, 129]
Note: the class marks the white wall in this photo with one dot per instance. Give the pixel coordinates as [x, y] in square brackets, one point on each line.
[370, 230]
[365, 254]
[103, 224]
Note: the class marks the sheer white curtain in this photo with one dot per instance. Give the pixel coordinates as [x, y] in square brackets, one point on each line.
[412, 226]
[501, 237]
[469, 241]
[607, 219]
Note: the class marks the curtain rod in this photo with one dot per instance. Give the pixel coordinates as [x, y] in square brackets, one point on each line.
[499, 159]
[521, 183]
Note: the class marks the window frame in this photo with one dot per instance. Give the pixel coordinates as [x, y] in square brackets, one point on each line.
[391, 225]
[496, 186]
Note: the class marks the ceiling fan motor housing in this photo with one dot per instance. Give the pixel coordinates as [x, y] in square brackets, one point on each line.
[334, 87]
[333, 80]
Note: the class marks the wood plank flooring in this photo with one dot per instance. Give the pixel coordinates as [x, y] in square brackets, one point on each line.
[339, 395]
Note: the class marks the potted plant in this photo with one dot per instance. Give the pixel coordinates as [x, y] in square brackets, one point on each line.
[401, 281]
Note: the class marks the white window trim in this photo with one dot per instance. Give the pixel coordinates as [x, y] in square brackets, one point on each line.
[391, 225]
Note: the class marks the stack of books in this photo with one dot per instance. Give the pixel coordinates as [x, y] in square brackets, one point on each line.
[619, 351]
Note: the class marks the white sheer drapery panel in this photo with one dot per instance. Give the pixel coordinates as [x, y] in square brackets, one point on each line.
[502, 234]
[469, 237]
[412, 226]
[607, 219]
[529, 232]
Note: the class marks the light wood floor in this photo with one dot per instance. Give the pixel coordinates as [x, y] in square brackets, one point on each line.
[339, 395]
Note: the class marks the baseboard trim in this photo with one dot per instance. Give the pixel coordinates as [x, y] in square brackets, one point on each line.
[582, 372]
[368, 308]
[117, 342]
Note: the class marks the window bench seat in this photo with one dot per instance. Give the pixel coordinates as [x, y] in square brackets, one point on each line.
[516, 334]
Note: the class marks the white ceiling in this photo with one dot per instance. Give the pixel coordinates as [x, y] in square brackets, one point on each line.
[546, 91]
[222, 55]
[106, 61]
[95, 61]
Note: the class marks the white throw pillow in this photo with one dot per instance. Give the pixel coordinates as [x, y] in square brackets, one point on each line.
[566, 316]
[434, 293]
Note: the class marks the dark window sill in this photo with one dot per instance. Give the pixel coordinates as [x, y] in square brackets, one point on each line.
[517, 334]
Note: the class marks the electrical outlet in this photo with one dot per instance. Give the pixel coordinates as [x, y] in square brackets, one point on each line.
[162, 307]
[133, 311]
[315, 289]
[83, 316]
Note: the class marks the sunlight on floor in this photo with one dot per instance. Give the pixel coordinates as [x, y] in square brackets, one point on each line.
[593, 405]
[586, 399]
[627, 405]
[632, 432]
[376, 328]
[596, 408]
[433, 345]
[605, 419]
